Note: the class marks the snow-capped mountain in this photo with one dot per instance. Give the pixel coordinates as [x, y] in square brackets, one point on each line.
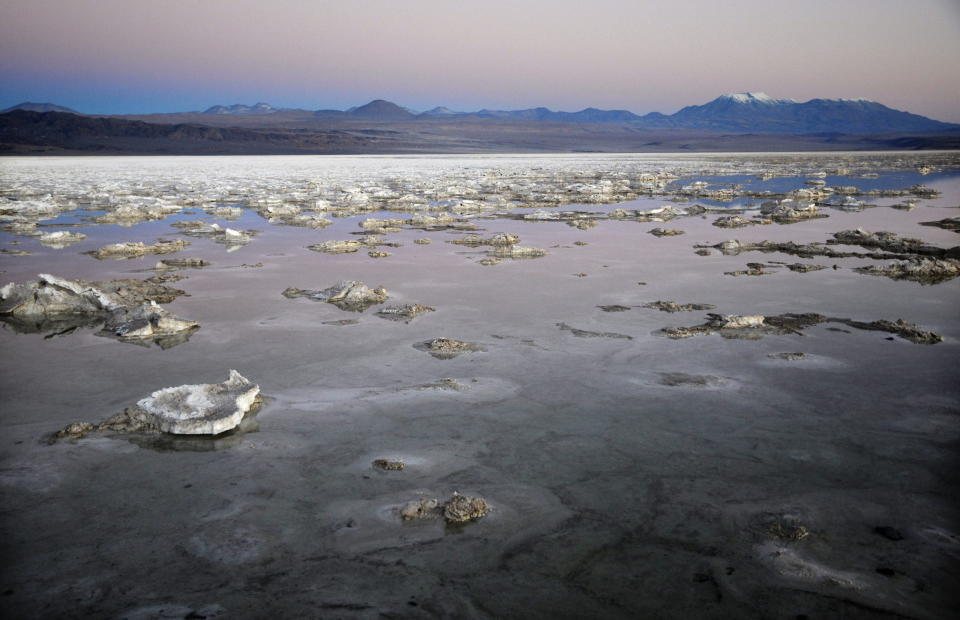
[239, 108]
[760, 113]
[754, 98]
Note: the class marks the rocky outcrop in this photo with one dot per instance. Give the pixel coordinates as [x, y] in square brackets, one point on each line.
[666, 232]
[302, 220]
[918, 269]
[733, 221]
[148, 322]
[440, 221]
[447, 348]
[497, 239]
[347, 295]
[226, 213]
[181, 263]
[583, 224]
[948, 223]
[790, 213]
[733, 247]
[337, 247]
[216, 232]
[804, 267]
[381, 226]
[422, 508]
[888, 242]
[457, 509]
[682, 379]
[541, 216]
[744, 326]
[582, 333]
[281, 213]
[60, 239]
[789, 356]
[516, 251]
[907, 331]
[348, 246]
[658, 214]
[202, 409]
[734, 321]
[461, 508]
[127, 309]
[137, 249]
[756, 325]
[672, 306]
[132, 291]
[51, 295]
[388, 464]
[753, 269]
[896, 248]
[405, 312]
[131, 214]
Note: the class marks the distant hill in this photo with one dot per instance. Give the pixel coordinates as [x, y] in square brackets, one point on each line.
[25, 131]
[30, 106]
[376, 110]
[57, 128]
[587, 115]
[760, 113]
[239, 108]
[439, 112]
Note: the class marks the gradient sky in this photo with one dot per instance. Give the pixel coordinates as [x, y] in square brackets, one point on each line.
[136, 56]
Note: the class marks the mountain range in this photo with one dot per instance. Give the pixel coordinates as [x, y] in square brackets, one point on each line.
[740, 112]
[735, 122]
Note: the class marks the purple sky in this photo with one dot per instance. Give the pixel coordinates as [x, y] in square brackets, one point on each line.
[112, 56]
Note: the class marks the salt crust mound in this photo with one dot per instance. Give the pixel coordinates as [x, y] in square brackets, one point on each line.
[203, 409]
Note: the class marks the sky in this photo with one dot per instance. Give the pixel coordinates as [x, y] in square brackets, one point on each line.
[141, 56]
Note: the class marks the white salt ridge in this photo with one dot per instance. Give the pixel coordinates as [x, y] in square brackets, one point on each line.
[204, 409]
[298, 190]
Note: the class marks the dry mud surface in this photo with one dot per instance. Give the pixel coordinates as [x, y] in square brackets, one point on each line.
[773, 468]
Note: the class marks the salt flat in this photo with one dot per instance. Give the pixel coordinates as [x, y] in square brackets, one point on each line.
[628, 473]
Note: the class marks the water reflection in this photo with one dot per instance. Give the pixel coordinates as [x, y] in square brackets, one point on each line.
[65, 325]
[168, 442]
